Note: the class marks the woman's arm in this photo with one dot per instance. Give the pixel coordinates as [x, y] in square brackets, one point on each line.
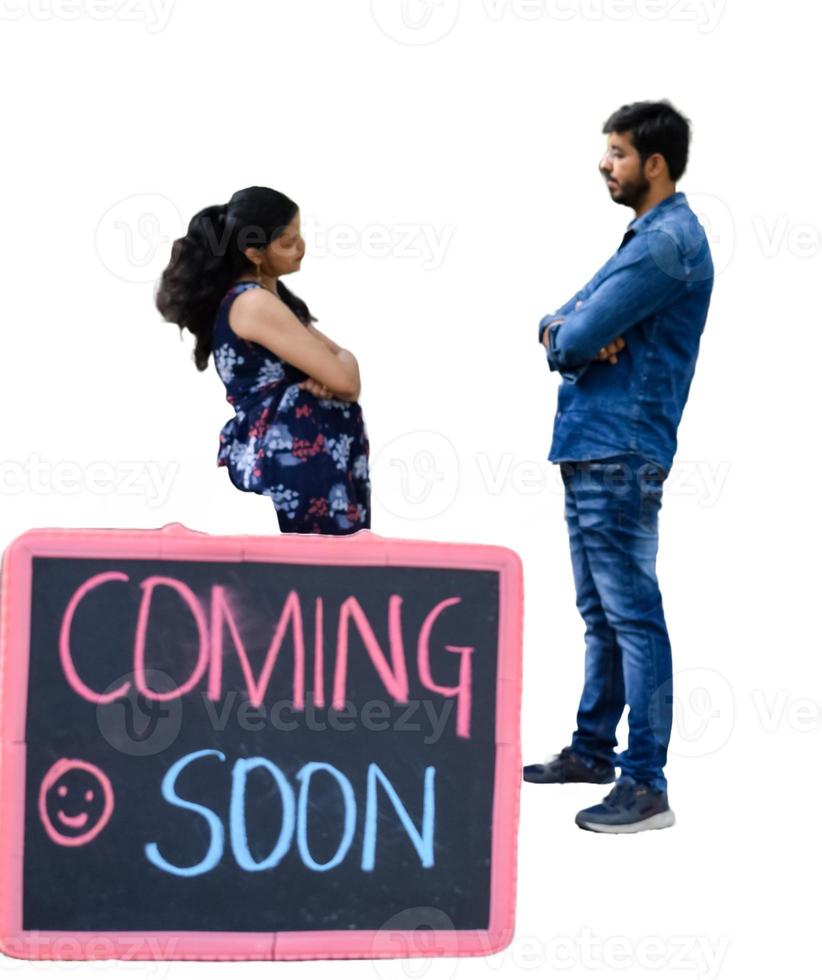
[335, 348]
[260, 316]
[314, 386]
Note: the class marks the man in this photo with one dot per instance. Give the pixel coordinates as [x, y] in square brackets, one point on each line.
[625, 346]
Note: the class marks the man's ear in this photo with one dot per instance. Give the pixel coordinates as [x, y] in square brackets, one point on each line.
[656, 166]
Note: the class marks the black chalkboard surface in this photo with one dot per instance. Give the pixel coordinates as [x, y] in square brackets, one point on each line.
[247, 747]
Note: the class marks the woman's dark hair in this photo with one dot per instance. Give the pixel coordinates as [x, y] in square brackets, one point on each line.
[209, 258]
[655, 127]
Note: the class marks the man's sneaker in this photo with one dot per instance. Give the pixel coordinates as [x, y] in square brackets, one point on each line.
[629, 807]
[568, 767]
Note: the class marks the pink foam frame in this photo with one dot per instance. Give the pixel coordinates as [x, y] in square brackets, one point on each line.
[176, 542]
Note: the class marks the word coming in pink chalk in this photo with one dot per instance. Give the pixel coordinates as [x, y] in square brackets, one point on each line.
[210, 623]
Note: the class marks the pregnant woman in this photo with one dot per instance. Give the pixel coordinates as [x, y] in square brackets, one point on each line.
[298, 435]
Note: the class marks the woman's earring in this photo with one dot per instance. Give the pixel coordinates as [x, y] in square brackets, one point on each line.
[259, 278]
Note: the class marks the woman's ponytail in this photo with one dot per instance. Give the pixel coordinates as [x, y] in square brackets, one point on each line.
[196, 278]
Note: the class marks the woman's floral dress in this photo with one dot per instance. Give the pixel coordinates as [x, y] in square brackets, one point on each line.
[309, 454]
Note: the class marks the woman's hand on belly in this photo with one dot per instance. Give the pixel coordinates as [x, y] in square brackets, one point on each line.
[320, 390]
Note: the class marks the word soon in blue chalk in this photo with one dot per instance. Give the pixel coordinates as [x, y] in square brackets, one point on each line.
[294, 817]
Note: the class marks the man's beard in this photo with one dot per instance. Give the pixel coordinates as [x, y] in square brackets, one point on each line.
[630, 192]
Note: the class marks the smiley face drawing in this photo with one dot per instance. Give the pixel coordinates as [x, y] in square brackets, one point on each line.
[75, 802]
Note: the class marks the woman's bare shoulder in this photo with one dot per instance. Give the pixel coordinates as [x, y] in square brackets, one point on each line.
[247, 308]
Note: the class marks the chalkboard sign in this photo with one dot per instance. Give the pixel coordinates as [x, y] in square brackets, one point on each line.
[296, 746]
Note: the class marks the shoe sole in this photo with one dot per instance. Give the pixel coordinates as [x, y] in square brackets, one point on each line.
[658, 821]
[537, 778]
[540, 779]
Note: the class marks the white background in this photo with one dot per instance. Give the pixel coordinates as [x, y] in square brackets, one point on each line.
[447, 179]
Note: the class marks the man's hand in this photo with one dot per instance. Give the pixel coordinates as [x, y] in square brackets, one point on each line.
[610, 351]
[607, 353]
[546, 340]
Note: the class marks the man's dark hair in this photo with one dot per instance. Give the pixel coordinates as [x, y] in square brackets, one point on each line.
[655, 127]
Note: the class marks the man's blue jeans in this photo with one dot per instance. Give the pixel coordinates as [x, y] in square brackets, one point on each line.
[611, 508]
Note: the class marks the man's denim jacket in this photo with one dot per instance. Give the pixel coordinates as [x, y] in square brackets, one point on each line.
[654, 292]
